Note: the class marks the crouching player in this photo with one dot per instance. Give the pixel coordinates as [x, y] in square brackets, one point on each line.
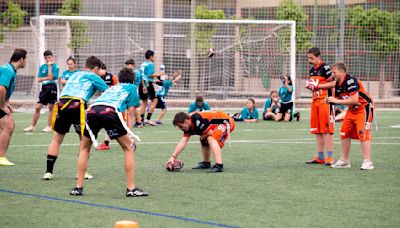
[106, 112]
[358, 120]
[213, 127]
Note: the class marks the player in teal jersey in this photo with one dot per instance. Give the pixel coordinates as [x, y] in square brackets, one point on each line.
[286, 111]
[48, 76]
[198, 105]
[249, 114]
[8, 77]
[147, 71]
[71, 69]
[130, 64]
[72, 103]
[163, 91]
[271, 106]
[106, 112]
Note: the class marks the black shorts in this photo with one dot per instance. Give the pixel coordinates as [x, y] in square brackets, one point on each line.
[161, 102]
[2, 113]
[48, 94]
[151, 92]
[286, 108]
[70, 115]
[102, 116]
[143, 97]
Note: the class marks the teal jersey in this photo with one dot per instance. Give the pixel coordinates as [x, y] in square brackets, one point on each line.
[83, 84]
[193, 107]
[267, 104]
[44, 72]
[247, 114]
[120, 96]
[8, 77]
[66, 74]
[146, 70]
[138, 78]
[285, 95]
[163, 91]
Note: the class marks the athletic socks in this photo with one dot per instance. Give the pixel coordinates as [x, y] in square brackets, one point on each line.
[142, 115]
[50, 163]
[149, 116]
[330, 153]
[321, 155]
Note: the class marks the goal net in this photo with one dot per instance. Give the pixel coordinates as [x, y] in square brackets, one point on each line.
[251, 56]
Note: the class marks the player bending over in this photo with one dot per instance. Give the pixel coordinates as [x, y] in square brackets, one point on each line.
[213, 127]
[106, 112]
[70, 108]
[359, 116]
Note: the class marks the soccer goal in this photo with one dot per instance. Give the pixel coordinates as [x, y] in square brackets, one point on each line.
[250, 56]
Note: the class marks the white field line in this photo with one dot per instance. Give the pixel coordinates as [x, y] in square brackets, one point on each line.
[269, 141]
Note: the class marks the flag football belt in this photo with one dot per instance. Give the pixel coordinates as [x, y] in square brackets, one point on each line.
[121, 118]
[82, 116]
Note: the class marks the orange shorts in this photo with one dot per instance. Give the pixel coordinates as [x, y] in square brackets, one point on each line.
[322, 117]
[358, 124]
[220, 133]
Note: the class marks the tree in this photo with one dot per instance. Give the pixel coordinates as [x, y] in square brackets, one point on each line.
[78, 29]
[205, 32]
[11, 19]
[377, 29]
[288, 10]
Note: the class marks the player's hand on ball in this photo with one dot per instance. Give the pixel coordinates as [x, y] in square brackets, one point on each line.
[312, 84]
[174, 165]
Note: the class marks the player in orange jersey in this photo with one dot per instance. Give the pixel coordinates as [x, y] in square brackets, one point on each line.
[213, 127]
[359, 116]
[322, 118]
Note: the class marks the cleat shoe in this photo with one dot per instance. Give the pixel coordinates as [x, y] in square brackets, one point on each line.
[76, 191]
[158, 122]
[329, 161]
[87, 176]
[5, 162]
[216, 169]
[47, 176]
[367, 165]
[297, 116]
[136, 192]
[151, 123]
[316, 160]
[103, 146]
[340, 164]
[47, 129]
[29, 129]
[138, 125]
[203, 165]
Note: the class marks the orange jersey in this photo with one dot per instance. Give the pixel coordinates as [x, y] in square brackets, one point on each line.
[205, 121]
[110, 79]
[349, 87]
[323, 74]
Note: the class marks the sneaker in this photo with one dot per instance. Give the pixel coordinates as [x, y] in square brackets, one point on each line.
[340, 164]
[103, 146]
[158, 122]
[297, 116]
[47, 129]
[135, 192]
[87, 176]
[29, 129]
[203, 165]
[47, 176]
[151, 123]
[367, 165]
[5, 162]
[216, 169]
[316, 160]
[329, 161]
[76, 191]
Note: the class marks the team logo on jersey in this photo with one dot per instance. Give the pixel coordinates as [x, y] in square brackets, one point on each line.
[351, 81]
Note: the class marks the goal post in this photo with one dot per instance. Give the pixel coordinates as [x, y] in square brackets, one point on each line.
[251, 56]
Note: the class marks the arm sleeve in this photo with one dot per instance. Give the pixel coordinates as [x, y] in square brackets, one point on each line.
[352, 86]
[244, 114]
[267, 104]
[150, 69]
[56, 71]
[4, 78]
[40, 72]
[99, 84]
[256, 113]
